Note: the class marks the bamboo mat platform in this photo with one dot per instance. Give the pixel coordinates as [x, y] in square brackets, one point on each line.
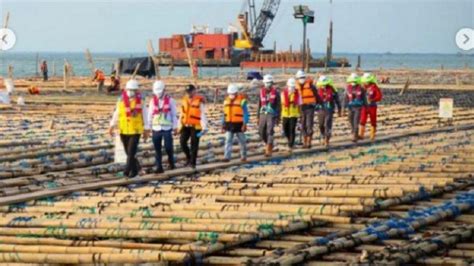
[63, 201]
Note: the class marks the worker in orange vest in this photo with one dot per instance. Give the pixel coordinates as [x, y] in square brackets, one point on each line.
[99, 77]
[131, 116]
[309, 96]
[193, 123]
[235, 120]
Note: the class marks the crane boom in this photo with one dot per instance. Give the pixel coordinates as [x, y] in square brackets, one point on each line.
[264, 21]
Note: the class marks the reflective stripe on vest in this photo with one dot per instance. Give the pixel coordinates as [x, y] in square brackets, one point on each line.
[191, 110]
[233, 111]
[161, 116]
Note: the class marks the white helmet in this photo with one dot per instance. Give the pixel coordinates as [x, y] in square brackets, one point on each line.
[158, 87]
[267, 78]
[132, 85]
[300, 74]
[291, 83]
[232, 88]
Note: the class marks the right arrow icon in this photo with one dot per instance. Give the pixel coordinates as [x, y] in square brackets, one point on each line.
[465, 39]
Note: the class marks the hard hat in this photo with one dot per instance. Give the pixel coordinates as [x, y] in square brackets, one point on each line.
[300, 74]
[158, 87]
[368, 78]
[353, 78]
[267, 78]
[324, 81]
[190, 88]
[291, 83]
[132, 85]
[232, 88]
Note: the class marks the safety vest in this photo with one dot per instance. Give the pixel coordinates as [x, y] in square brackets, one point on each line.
[266, 101]
[161, 116]
[307, 94]
[290, 104]
[130, 115]
[326, 94]
[354, 95]
[191, 111]
[233, 110]
[99, 75]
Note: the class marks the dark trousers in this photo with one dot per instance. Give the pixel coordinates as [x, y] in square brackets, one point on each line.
[354, 119]
[158, 138]
[266, 128]
[186, 134]
[130, 144]
[307, 120]
[325, 122]
[289, 129]
[45, 76]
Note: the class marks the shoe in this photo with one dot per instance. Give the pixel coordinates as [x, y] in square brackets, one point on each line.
[310, 139]
[361, 132]
[305, 142]
[158, 170]
[290, 151]
[244, 159]
[269, 150]
[171, 166]
[355, 138]
[372, 133]
[326, 142]
[226, 160]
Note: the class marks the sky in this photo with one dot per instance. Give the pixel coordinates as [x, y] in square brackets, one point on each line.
[360, 26]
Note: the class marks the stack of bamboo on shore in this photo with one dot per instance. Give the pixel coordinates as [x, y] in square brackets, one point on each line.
[236, 214]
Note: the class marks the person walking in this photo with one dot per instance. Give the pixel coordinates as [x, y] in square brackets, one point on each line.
[131, 116]
[235, 120]
[268, 114]
[290, 111]
[373, 96]
[354, 101]
[163, 119]
[308, 94]
[193, 121]
[328, 101]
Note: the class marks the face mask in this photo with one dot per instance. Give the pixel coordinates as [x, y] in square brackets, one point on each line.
[301, 80]
[130, 93]
[291, 89]
[232, 96]
[267, 85]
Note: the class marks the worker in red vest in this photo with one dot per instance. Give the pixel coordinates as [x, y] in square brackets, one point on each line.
[268, 114]
[99, 77]
[373, 96]
[354, 100]
[326, 106]
[290, 111]
[193, 121]
[163, 120]
[235, 120]
[309, 97]
[131, 116]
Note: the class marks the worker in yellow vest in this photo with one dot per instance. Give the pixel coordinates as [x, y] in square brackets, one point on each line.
[309, 96]
[193, 123]
[235, 120]
[290, 111]
[131, 116]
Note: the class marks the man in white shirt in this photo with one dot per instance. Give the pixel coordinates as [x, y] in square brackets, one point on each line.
[163, 119]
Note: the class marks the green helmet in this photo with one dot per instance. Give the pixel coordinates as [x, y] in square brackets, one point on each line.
[324, 81]
[368, 78]
[353, 78]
